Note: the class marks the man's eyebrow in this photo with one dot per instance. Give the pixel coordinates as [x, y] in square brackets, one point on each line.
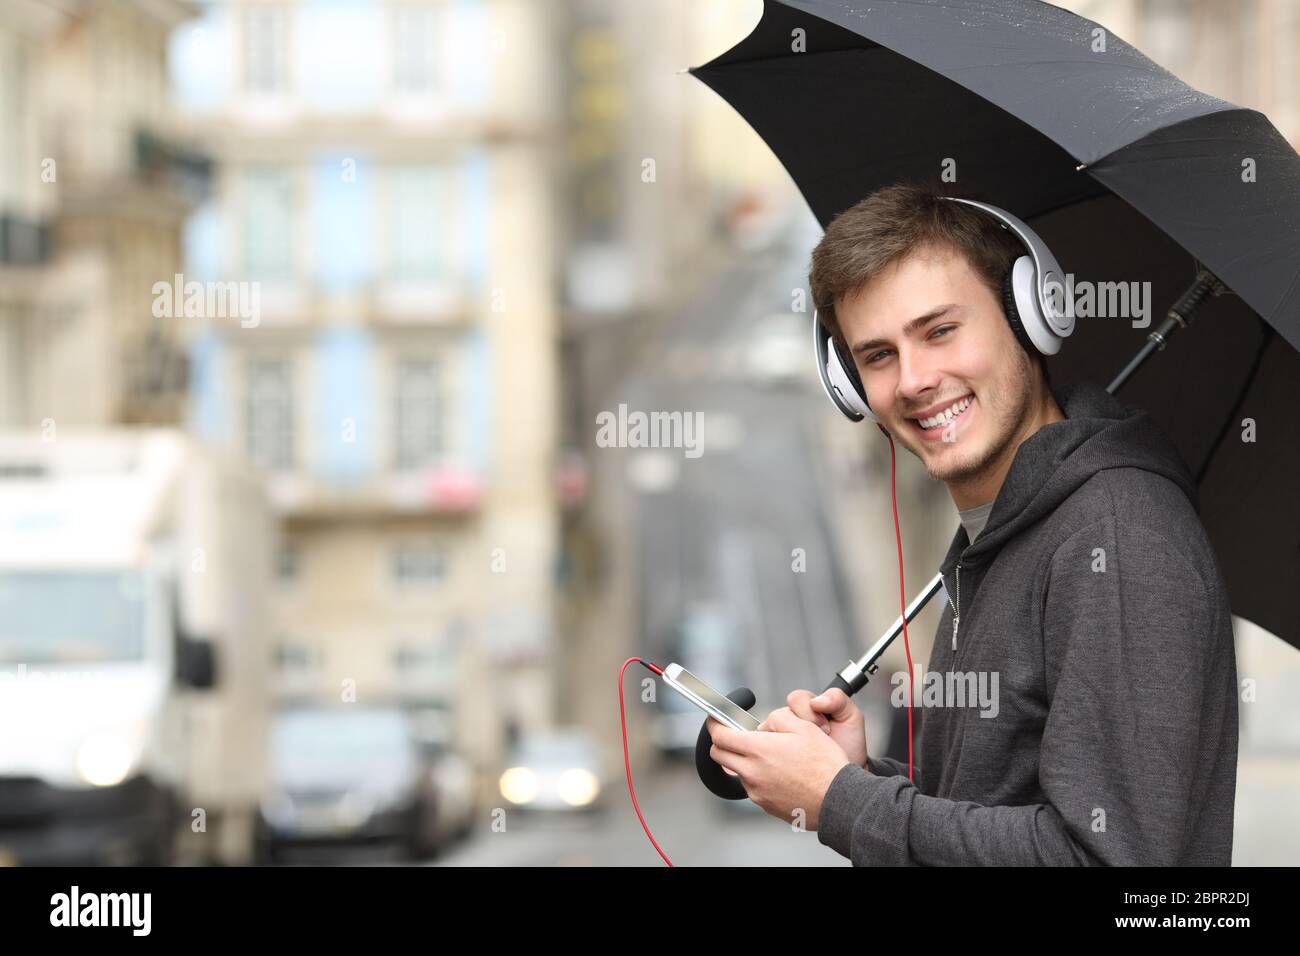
[911, 326]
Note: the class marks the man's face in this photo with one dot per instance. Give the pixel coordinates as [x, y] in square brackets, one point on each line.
[961, 352]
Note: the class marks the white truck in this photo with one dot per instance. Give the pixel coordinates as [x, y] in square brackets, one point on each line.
[134, 649]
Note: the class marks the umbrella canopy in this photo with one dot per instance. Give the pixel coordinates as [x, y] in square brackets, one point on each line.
[1126, 172]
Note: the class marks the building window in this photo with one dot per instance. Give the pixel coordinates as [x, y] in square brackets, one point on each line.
[266, 50]
[414, 46]
[416, 222]
[288, 565]
[15, 104]
[268, 223]
[410, 656]
[270, 413]
[294, 657]
[418, 414]
[418, 566]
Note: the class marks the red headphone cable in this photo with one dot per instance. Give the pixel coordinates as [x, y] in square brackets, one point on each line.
[657, 670]
[627, 764]
[902, 596]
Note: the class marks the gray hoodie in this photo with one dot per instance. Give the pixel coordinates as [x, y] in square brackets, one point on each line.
[1094, 619]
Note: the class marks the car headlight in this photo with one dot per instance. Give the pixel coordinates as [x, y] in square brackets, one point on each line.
[519, 785]
[578, 787]
[355, 808]
[105, 760]
[278, 810]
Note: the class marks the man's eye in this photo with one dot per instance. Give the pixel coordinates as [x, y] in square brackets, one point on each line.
[871, 359]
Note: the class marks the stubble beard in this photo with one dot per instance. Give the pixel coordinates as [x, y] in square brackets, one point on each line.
[1007, 418]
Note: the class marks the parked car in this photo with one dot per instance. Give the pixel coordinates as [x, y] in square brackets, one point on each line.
[556, 771]
[347, 775]
[451, 774]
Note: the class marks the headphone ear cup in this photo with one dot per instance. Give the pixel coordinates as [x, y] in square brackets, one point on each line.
[839, 375]
[846, 363]
[1013, 314]
[850, 370]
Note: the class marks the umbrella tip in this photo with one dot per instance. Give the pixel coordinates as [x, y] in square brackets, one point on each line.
[685, 69]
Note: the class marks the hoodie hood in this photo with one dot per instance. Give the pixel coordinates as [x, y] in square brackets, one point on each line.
[1099, 432]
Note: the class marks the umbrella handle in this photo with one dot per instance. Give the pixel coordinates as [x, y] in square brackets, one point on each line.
[1207, 284]
[719, 782]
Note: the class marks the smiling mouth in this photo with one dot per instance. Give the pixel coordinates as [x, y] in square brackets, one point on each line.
[935, 423]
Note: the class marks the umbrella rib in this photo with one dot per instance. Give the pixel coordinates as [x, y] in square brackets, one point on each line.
[1236, 405]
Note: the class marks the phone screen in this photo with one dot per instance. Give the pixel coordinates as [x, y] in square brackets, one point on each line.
[713, 697]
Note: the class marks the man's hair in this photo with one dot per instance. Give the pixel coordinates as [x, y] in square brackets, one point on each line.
[895, 222]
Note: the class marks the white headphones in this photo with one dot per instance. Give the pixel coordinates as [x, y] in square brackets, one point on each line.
[1038, 321]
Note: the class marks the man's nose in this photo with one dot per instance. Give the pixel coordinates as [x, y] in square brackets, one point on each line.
[917, 377]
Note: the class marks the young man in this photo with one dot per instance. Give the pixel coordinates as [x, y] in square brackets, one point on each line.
[1082, 591]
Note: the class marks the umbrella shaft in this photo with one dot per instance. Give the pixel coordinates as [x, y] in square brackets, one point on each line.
[1206, 286]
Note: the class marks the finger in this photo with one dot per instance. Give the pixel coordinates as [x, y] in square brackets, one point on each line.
[834, 703]
[728, 738]
[717, 727]
[782, 720]
[728, 761]
[799, 704]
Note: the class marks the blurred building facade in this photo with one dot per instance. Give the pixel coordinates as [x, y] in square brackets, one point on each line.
[660, 183]
[1244, 52]
[93, 195]
[383, 194]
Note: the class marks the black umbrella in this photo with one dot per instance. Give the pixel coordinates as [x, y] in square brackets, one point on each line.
[1125, 171]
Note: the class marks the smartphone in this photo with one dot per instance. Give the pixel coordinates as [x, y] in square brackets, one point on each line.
[710, 700]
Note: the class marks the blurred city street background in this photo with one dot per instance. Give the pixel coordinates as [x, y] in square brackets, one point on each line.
[310, 551]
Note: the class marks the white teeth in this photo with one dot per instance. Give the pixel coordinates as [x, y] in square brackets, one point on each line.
[947, 415]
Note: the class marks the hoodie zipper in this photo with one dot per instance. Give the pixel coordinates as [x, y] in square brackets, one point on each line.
[956, 610]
